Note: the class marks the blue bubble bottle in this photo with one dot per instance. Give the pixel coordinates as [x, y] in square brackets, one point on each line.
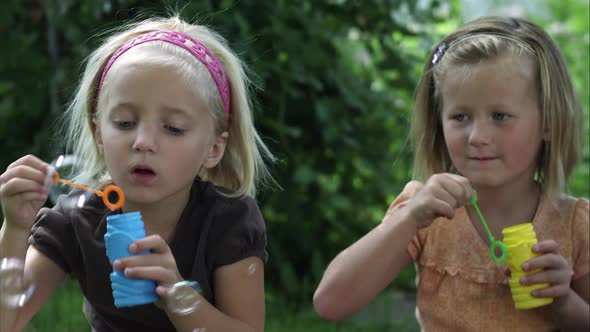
[122, 230]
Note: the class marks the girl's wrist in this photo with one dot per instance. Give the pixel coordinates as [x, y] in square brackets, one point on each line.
[561, 304]
[571, 311]
[13, 240]
[15, 230]
[183, 298]
[410, 217]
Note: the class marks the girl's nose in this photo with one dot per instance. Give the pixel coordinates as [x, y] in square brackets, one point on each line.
[145, 139]
[481, 133]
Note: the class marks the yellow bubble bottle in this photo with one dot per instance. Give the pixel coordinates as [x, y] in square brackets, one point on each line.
[519, 240]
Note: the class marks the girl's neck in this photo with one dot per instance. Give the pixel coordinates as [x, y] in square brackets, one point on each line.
[509, 205]
[161, 217]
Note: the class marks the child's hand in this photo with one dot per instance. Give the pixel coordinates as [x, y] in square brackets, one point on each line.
[22, 191]
[158, 265]
[557, 271]
[439, 197]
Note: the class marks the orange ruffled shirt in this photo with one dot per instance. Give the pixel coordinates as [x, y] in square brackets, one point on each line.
[460, 288]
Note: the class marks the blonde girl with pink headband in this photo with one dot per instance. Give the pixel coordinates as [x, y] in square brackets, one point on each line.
[162, 111]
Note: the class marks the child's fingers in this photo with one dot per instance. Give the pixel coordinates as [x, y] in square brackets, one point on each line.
[34, 196]
[547, 261]
[454, 192]
[31, 161]
[155, 243]
[546, 246]
[442, 208]
[140, 260]
[23, 172]
[160, 274]
[552, 291]
[162, 291]
[18, 186]
[464, 190]
[427, 207]
[554, 277]
[451, 188]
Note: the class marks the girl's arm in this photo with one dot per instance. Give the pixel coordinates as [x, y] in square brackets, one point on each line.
[364, 269]
[573, 311]
[22, 194]
[239, 296]
[46, 274]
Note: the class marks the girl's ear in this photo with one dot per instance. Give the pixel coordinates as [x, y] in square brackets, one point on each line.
[216, 151]
[97, 134]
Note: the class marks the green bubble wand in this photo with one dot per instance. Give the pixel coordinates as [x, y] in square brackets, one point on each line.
[494, 243]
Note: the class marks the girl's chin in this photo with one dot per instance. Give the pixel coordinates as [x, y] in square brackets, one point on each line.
[133, 199]
[480, 180]
[483, 183]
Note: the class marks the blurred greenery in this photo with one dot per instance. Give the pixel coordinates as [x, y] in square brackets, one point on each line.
[335, 83]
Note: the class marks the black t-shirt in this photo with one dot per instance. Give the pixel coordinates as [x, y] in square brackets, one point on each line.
[213, 230]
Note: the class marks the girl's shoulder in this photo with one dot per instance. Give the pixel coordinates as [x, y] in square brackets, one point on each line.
[581, 214]
[582, 208]
[217, 197]
[224, 207]
[565, 220]
[569, 209]
[233, 225]
[572, 235]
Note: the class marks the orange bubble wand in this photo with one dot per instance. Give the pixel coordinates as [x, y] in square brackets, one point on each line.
[100, 193]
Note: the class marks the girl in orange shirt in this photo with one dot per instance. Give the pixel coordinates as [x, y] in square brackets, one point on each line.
[495, 113]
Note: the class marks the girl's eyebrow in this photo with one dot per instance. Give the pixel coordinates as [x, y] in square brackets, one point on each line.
[170, 110]
[498, 106]
[457, 108]
[124, 106]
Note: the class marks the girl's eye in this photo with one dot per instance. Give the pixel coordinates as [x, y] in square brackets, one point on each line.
[124, 124]
[174, 130]
[459, 117]
[500, 116]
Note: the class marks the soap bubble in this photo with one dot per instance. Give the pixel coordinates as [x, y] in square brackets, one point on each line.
[184, 297]
[64, 165]
[15, 290]
[251, 269]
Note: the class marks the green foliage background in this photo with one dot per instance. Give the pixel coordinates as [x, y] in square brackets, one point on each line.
[335, 82]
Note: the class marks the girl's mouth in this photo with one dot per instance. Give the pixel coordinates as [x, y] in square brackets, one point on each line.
[142, 173]
[482, 158]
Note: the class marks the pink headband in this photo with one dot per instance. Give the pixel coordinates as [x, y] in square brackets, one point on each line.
[195, 47]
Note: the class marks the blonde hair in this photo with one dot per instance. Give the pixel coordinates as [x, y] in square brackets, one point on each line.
[484, 39]
[243, 165]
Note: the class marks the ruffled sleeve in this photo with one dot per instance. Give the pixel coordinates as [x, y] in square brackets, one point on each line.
[580, 233]
[238, 231]
[54, 236]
